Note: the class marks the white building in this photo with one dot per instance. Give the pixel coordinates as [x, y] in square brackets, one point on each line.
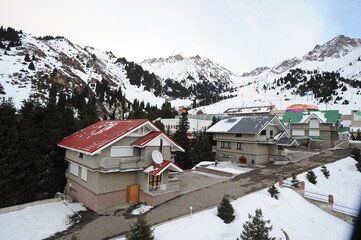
[195, 123]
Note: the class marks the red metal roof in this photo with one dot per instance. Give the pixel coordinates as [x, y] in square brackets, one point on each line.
[157, 169]
[94, 137]
[141, 142]
[147, 138]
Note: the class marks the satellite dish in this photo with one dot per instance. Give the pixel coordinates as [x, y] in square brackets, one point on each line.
[157, 157]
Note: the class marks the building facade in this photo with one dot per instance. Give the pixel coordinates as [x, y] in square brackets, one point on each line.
[112, 162]
[318, 129]
[196, 123]
[251, 139]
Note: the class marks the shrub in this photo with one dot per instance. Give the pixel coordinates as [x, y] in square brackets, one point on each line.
[311, 177]
[273, 191]
[295, 181]
[325, 171]
[256, 228]
[140, 230]
[225, 210]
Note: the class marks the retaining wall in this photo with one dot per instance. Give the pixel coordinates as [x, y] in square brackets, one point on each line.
[22, 206]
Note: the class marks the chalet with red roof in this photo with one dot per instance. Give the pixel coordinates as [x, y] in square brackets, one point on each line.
[113, 162]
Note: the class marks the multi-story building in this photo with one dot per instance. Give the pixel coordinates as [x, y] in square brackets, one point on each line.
[314, 128]
[251, 139]
[113, 162]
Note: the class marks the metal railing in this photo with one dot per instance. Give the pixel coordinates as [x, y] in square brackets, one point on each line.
[162, 188]
[345, 210]
[316, 196]
[121, 162]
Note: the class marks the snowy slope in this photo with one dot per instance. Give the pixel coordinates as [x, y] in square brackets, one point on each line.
[292, 213]
[37, 222]
[190, 70]
[344, 182]
[341, 54]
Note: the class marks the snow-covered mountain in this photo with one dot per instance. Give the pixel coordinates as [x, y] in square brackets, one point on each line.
[259, 87]
[192, 71]
[58, 61]
[340, 54]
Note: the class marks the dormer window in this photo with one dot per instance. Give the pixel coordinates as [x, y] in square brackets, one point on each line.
[80, 155]
[263, 132]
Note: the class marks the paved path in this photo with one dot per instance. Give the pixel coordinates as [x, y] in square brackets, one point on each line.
[104, 227]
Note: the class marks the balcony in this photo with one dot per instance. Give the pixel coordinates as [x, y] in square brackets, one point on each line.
[162, 188]
[121, 163]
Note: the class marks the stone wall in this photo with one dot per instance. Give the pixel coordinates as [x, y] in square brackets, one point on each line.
[94, 201]
[158, 199]
[22, 206]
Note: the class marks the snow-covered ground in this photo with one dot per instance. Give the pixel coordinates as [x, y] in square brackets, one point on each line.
[248, 96]
[37, 222]
[344, 182]
[292, 213]
[228, 167]
[141, 209]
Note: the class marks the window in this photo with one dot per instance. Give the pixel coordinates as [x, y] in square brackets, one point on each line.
[263, 132]
[314, 123]
[74, 168]
[154, 181]
[238, 135]
[224, 156]
[80, 155]
[314, 133]
[121, 151]
[298, 132]
[271, 133]
[226, 145]
[83, 173]
[239, 146]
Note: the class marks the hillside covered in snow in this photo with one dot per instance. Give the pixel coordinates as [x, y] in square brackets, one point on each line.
[328, 76]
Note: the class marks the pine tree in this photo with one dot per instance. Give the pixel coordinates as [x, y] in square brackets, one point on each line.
[273, 191]
[256, 228]
[355, 153]
[27, 57]
[181, 137]
[325, 171]
[311, 177]
[140, 230]
[202, 148]
[295, 181]
[225, 210]
[31, 66]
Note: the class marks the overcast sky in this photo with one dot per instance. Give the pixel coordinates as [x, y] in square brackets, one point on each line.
[240, 35]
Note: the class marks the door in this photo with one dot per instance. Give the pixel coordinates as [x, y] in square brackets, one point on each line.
[133, 193]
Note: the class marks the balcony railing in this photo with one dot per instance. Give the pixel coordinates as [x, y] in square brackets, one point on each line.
[122, 163]
[162, 188]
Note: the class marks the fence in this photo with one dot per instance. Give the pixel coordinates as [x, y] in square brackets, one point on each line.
[336, 207]
[345, 210]
[316, 196]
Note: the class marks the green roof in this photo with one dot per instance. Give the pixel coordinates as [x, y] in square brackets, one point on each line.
[344, 129]
[328, 116]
